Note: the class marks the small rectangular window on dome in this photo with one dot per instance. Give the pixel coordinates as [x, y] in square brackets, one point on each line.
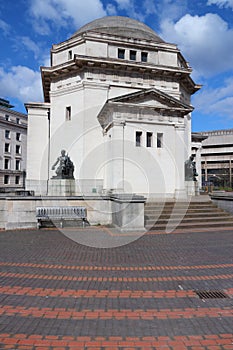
[70, 54]
[121, 53]
[132, 55]
[144, 56]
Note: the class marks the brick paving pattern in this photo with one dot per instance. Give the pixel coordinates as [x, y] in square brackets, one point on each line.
[58, 294]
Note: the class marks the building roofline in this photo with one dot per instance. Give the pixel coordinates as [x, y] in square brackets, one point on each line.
[12, 111]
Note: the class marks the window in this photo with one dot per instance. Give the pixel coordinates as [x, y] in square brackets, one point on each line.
[144, 56]
[6, 163]
[6, 179]
[17, 180]
[70, 54]
[17, 120]
[7, 117]
[17, 149]
[149, 139]
[138, 138]
[17, 164]
[7, 134]
[18, 136]
[159, 140]
[68, 113]
[121, 53]
[132, 55]
[7, 147]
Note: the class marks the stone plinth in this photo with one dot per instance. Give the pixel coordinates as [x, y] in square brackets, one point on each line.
[128, 212]
[192, 188]
[61, 187]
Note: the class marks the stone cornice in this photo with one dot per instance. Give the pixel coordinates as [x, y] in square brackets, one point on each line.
[81, 63]
[161, 108]
[167, 109]
[12, 112]
[35, 105]
[139, 114]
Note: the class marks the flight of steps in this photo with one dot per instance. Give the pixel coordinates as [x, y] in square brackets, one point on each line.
[168, 216]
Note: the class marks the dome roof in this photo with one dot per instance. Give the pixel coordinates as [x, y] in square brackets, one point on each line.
[122, 26]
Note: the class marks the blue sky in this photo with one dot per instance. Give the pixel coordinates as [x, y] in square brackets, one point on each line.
[202, 29]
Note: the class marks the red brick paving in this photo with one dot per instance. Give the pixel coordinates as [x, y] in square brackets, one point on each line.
[115, 276]
[114, 314]
[201, 342]
[115, 279]
[116, 268]
[18, 290]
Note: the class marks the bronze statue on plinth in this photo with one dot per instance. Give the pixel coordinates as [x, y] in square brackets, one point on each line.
[65, 169]
[190, 169]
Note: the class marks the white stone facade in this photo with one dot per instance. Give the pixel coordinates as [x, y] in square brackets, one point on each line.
[117, 99]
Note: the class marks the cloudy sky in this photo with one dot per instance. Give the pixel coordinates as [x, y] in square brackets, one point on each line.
[202, 29]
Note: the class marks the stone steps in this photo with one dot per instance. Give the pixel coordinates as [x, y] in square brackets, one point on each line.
[184, 215]
[151, 216]
[197, 225]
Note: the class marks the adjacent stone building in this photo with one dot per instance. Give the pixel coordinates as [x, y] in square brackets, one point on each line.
[117, 99]
[13, 138]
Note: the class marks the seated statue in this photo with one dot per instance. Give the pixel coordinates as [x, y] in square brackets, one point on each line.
[65, 169]
[190, 169]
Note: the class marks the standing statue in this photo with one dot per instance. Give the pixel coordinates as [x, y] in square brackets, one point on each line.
[65, 169]
[190, 169]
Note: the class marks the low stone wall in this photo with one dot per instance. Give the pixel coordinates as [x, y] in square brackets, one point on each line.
[20, 212]
[223, 200]
[124, 213]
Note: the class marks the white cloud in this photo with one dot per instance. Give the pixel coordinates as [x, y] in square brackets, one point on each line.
[22, 83]
[4, 27]
[221, 3]
[149, 7]
[111, 10]
[171, 9]
[64, 13]
[204, 40]
[216, 101]
[124, 4]
[131, 8]
[26, 44]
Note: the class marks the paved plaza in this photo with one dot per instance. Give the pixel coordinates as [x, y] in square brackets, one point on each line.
[56, 293]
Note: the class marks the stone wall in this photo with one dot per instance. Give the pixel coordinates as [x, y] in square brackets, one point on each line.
[223, 201]
[20, 211]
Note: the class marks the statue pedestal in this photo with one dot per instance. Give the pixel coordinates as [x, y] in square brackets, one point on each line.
[192, 188]
[61, 187]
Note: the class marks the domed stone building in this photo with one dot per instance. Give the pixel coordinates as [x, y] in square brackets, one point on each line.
[117, 100]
